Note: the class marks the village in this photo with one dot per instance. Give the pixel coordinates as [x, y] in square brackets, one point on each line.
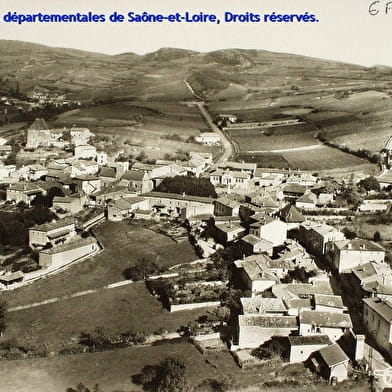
[280, 270]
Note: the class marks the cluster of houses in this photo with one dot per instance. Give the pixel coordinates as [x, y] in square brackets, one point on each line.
[266, 218]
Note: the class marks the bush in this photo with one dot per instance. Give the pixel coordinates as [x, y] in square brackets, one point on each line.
[142, 270]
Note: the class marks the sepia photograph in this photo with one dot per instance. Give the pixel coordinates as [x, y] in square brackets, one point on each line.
[195, 196]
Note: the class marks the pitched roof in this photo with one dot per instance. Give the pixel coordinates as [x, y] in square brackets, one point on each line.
[253, 240]
[177, 196]
[333, 355]
[294, 188]
[291, 215]
[134, 175]
[263, 321]
[227, 202]
[325, 319]
[109, 172]
[259, 305]
[359, 244]
[53, 225]
[333, 301]
[383, 308]
[309, 340]
[307, 197]
[39, 124]
[70, 245]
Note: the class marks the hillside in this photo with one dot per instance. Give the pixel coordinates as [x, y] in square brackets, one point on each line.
[231, 73]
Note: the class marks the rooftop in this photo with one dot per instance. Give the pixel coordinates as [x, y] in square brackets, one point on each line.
[359, 244]
[290, 214]
[383, 308]
[325, 319]
[227, 202]
[253, 240]
[309, 340]
[39, 124]
[53, 225]
[177, 196]
[333, 301]
[70, 245]
[268, 321]
[260, 305]
[333, 355]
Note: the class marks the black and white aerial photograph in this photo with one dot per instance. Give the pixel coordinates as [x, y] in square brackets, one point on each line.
[195, 196]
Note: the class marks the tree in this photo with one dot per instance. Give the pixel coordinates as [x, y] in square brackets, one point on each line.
[3, 311]
[193, 186]
[271, 349]
[300, 274]
[172, 376]
[377, 236]
[143, 269]
[369, 184]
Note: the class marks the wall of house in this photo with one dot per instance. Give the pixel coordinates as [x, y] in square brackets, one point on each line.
[56, 260]
[339, 371]
[275, 232]
[377, 327]
[303, 352]
[40, 238]
[254, 336]
[333, 333]
[347, 259]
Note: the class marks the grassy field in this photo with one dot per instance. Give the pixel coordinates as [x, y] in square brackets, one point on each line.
[124, 245]
[117, 310]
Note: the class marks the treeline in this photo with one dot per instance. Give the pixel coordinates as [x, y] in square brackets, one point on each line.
[192, 186]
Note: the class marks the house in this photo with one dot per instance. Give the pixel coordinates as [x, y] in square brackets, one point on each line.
[307, 201]
[291, 216]
[107, 175]
[386, 153]
[226, 207]
[228, 232]
[333, 324]
[109, 193]
[293, 192]
[348, 254]
[268, 228]
[23, 192]
[260, 305]
[85, 151]
[265, 177]
[80, 136]
[205, 156]
[52, 233]
[385, 180]
[64, 254]
[244, 167]
[314, 236]
[83, 167]
[37, 172]
[208, 138]
[376, 205]
[316, 285]
[6, 172]
[5, 151]
[329, 303]
[87, 184]
[174, 204]
[255, 274]
[39, 134]
[230, 179]
[302, 347]
[102, 158]
[67, 204]
[301, 178]
[256, 329]
[252, 244]
[11, 278]
[264, 201]
[137, 180]
[371, 279]
[124, 207]
[332, 363]
[377, 320]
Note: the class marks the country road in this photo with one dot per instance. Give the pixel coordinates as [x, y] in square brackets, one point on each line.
[226, 143]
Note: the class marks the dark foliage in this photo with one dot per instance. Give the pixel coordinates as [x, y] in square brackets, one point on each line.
[299, 274]
[143, 269]
[14, 226]
[189, 185]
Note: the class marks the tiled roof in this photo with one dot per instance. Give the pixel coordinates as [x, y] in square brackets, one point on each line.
[333, 355]
[260, 305]
[325, 319]
[383, 308]
[359, 244]
[309, 340]
[53, 225]
[333, 301]
[39, 124]
[268, 321]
